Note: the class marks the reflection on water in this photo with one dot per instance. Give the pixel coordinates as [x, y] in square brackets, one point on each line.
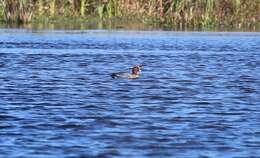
[121, 25]
[197, 96]
[83, 25]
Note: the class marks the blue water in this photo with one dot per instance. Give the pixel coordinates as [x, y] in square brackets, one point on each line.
[198, 94]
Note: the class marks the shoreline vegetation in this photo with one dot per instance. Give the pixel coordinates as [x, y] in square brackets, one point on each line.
[177, 14]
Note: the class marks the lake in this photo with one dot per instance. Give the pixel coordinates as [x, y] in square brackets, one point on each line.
[198, 94]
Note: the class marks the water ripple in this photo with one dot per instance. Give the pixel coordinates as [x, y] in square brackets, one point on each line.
[198, 94]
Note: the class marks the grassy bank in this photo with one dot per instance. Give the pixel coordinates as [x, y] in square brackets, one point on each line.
[170, 13]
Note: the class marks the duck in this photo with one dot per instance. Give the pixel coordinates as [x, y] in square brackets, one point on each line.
[135, 73]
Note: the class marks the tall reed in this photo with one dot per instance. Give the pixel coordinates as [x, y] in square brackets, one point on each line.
[181, 13]
[17, 11]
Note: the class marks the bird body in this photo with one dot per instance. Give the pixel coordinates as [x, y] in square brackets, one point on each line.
[135, 73]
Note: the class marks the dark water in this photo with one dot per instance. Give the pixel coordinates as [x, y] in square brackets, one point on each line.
[198, 95]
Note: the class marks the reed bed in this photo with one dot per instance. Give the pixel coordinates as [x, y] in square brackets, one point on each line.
[180, 13]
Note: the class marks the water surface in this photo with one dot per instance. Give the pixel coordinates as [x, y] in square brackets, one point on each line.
[198, 95]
